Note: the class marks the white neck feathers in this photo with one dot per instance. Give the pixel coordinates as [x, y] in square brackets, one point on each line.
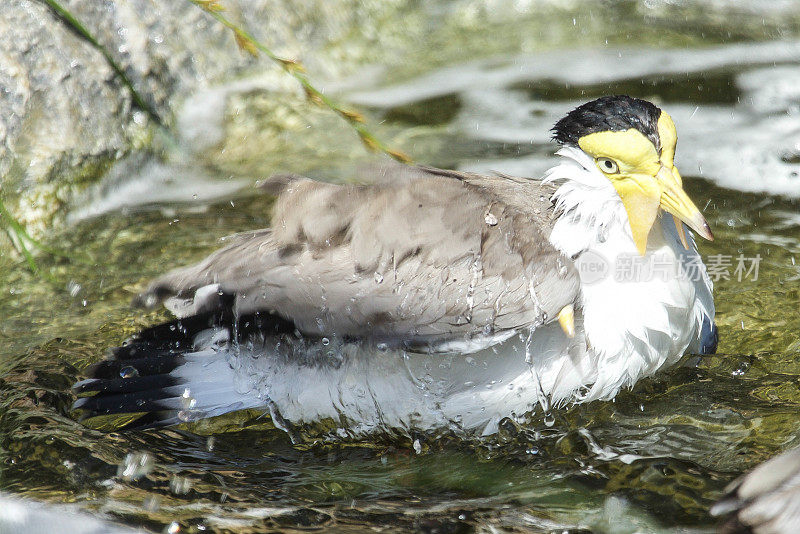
[633, 326]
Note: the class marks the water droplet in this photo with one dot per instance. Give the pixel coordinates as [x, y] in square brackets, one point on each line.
[325, 341]
[135, 466]
[74, 288]
[151, 503]
[490, 219]
[180, 485]
[128, 372]
[382, 347]
[173, 528]
[187, 401]
[741, 369]
[187, 416]
[549, 420]
[378, 277]
[417, 446]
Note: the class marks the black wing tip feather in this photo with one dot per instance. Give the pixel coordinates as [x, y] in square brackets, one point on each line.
[136, 378]
[125, 385]
[158, 364]
[138, 401]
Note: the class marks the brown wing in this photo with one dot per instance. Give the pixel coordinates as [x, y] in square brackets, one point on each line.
[765, 500]
[425, 254]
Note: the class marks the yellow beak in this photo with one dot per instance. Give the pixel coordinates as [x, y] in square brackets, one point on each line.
[643, 196]
[674, 200]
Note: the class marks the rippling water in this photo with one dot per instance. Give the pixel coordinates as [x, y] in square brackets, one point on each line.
[479, 96]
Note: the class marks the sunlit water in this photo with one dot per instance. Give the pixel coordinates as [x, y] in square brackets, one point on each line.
[653, 459]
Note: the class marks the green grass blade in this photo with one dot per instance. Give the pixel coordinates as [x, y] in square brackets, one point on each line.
[76, 25]
[250, 44]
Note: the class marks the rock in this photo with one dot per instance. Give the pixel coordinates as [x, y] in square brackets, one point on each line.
[66, 116]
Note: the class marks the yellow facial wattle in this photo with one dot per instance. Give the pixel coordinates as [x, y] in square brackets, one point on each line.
[646, 180]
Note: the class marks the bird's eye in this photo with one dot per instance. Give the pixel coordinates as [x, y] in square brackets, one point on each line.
[607, 165]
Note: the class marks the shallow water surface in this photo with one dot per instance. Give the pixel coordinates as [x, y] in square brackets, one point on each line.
[652, 460]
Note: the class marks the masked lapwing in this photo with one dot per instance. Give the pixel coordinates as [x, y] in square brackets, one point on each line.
[433, 298]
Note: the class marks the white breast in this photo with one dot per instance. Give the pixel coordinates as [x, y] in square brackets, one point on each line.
[639, 313]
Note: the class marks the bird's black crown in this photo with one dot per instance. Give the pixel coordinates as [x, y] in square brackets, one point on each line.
[609, 113]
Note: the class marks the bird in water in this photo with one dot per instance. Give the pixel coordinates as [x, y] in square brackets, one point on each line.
[435, 299]
[764, 501]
